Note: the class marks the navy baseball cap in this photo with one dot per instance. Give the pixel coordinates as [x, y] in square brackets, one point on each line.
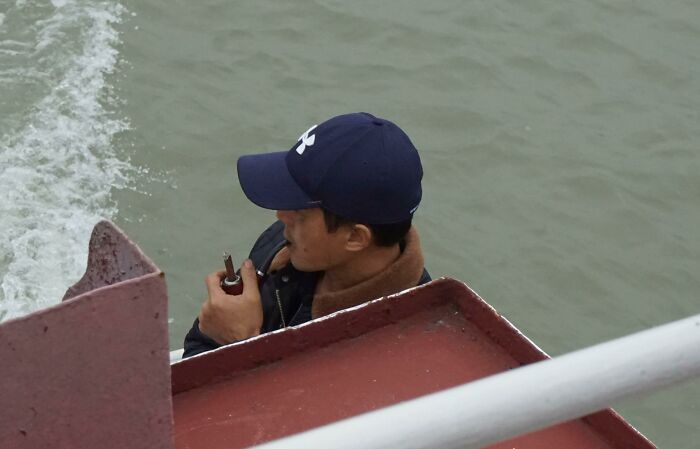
[357, 166]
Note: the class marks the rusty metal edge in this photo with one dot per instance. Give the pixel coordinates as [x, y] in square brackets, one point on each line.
[222, 363]
[107, 226]
[67, 303]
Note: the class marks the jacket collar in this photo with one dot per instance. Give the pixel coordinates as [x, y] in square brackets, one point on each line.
[405, 272]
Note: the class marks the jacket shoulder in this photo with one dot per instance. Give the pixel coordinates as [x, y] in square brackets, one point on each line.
[268, 241]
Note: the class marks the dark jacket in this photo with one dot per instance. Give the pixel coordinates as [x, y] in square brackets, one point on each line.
[286, 294]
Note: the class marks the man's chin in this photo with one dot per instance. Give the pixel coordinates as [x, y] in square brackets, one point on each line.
[300, 266]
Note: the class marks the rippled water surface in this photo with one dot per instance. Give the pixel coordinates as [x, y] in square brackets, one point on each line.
[57, 161]
[559, 141]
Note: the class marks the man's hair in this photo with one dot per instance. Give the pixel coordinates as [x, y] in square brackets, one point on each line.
[382, 234]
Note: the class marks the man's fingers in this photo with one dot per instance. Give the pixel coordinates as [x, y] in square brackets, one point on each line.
[250, 279]
[225, 320]
[213, 281]
[204, 317]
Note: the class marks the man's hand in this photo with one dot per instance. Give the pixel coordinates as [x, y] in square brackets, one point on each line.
[228, 318]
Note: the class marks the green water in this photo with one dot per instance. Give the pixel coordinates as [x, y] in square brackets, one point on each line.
[559, 142]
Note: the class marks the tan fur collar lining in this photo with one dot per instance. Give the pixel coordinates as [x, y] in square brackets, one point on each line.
[404, 273]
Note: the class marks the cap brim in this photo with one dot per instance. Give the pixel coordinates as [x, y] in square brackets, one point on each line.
[266, 182]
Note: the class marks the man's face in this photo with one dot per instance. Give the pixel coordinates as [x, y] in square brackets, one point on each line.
[311, 246]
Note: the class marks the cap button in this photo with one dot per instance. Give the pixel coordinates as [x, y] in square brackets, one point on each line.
[377, 122]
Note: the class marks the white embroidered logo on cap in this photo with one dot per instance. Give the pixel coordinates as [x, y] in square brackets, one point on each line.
[306, 140]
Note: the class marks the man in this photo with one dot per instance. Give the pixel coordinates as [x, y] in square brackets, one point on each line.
[345, 195]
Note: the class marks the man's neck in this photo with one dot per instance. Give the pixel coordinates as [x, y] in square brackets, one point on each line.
[358, 269]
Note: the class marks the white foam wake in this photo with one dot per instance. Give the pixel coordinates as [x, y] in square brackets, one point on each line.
[57, 164]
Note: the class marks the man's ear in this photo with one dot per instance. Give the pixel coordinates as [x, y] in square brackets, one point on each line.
[359, 238]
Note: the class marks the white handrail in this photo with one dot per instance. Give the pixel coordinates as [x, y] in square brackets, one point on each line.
[526, 399]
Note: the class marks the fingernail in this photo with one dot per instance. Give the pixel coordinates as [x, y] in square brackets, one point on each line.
[248, 263]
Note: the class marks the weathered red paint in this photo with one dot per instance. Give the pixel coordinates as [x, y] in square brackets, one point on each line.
[93, 371]
[397, 348]
[112, 258]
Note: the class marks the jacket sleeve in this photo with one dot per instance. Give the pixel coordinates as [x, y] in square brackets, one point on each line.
[425, 277]
[197, 342]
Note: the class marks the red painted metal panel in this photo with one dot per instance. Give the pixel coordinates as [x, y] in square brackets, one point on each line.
[390, 350]
[93, 371]
[112, 258]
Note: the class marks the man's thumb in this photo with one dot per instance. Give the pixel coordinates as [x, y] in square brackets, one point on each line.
[250, 279]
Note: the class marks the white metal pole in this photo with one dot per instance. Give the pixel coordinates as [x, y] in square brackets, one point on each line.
[529, 398]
